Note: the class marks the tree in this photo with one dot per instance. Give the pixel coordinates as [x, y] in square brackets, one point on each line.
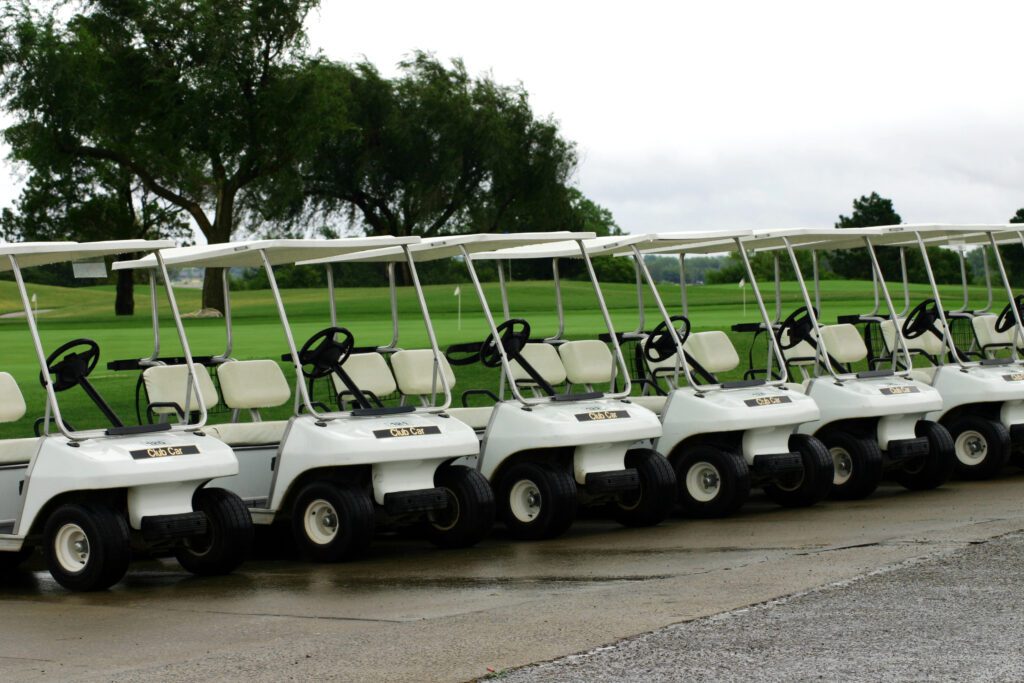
[869, 211]
[205, 103]
[1013, 255]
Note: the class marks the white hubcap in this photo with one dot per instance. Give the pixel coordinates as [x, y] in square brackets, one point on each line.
[971, 447]
[703, 482]
[72, 548]
[524, 499]
[321, 522]
[843, 464]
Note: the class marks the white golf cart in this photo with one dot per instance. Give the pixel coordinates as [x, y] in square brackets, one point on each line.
[333, 475]
[872, 420]
[90, 497]
[546, 451]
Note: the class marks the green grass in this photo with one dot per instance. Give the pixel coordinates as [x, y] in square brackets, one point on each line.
[88, 312]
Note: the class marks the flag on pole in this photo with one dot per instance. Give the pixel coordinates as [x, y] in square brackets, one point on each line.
[458, 293]
[743, 281]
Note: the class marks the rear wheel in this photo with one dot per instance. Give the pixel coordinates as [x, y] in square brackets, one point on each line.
[656, 497]
[981, 446]
[87, 546]
[537, 501]
[470, 512]
[857, 461]
[934, 469]
[228, 538]
[814, 483]
[712, 482]
[332, 522]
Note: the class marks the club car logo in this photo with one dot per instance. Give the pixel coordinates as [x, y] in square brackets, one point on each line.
[1015, 377]
[164, 452]
[899, 390]
[601, 415]
[767, 401]
[399, 431]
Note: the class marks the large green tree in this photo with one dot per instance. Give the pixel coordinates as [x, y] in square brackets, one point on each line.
[1013, 255]
[203, 102]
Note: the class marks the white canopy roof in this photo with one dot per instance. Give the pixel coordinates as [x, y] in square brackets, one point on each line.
[278, 251]
[436, 248]
[29, 254]
[852, 238]
[664, 242]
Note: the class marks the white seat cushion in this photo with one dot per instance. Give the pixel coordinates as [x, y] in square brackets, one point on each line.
[414, 372]
[587, 361]
[14, 451]
[249, 384]
[477, 418]
[801, 354]
[12, 403]
[248, 433]
[928, 342]
[545, 360]
[370, 372]
[844, 343]
[924, 375]
[166, 384]
[653, 403]
[795, 386]
[713, 350]
[985, 331]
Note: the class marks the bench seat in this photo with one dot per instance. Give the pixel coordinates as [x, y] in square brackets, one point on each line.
[16, 451]
[477, 418]
[249, 433]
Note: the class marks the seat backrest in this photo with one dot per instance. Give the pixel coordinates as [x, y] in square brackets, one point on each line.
[801, 354]
[587, 361]
[414, 372]
[166, 384]
[370, 372]
[12, 403]
[545, 360]
[844, 343]
[985, 331]
[928, 342]
[253, 384]
[713, 350]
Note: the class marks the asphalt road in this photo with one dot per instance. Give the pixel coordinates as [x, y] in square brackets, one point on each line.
[411, 612]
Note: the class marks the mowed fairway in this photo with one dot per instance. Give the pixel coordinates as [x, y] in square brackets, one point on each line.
[88, 312]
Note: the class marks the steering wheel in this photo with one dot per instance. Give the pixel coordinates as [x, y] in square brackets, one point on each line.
[515, 332]
[74, 366]
[328, 354]
[796, 328]
[1006, 320]
[921, 320]
[659, 345]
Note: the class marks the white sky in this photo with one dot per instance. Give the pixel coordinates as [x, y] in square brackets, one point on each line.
[742, 114]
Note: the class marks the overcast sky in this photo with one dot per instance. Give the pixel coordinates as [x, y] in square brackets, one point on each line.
[743, 114]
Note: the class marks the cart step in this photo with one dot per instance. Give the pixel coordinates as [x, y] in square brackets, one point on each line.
[612, 482]
[904, 449]
[774, 464]
[421, 500]
[163, 527]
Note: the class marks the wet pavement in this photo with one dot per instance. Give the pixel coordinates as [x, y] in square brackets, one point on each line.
[412, 612]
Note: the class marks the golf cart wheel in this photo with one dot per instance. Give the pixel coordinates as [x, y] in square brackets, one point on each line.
[470, 512]
[87, 547]
[814, 483]
[981, 446]
[9, 561]
[655, 499]
[332, 522]
[537, 501]
[712, 482]
[857, 461]
[228, 538]
[934, 469]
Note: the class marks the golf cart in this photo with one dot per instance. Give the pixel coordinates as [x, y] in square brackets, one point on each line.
[544, 450]
[333, 475]
[91, 497]
[873, 420]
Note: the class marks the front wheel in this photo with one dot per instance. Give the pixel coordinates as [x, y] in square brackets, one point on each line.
[87, 547]
[934, 469]
[228, 538]
[981, 445]
[712, 482]
[470, 512]
[331, 522]
[656, 497]
[537, 501]
[814, 483]
[858, 464]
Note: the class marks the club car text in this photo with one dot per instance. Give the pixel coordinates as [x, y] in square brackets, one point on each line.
[767, 401]
[164, 452]
[599, 415]
[899, 391]
[394, 432]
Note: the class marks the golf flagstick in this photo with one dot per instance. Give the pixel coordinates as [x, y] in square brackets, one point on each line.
[458, 294]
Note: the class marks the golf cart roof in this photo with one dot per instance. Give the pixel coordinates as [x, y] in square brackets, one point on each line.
[852, 238]
[278, 251]
[661, 242]
[29, 254]
[436, 248]
[951, 235]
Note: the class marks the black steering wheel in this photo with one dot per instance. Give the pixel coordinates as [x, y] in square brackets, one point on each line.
[1006, 319]
[659, 345]
[515, 333]
[797, 328]
[327, 355]
[74, 366]
[921, 320]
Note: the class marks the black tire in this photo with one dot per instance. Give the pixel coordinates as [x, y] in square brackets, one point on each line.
[935, 469]
[858, 464]
[544, 504]
[813, 484]
[9, 561]
[228, 538]
[332, 522]
[712, 482]
[973, 432]
[470, 513]
[1016, 454]
[107, 549]
[656, 498]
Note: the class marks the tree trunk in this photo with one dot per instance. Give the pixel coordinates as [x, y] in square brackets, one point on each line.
[220, 232]
[124, 304]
